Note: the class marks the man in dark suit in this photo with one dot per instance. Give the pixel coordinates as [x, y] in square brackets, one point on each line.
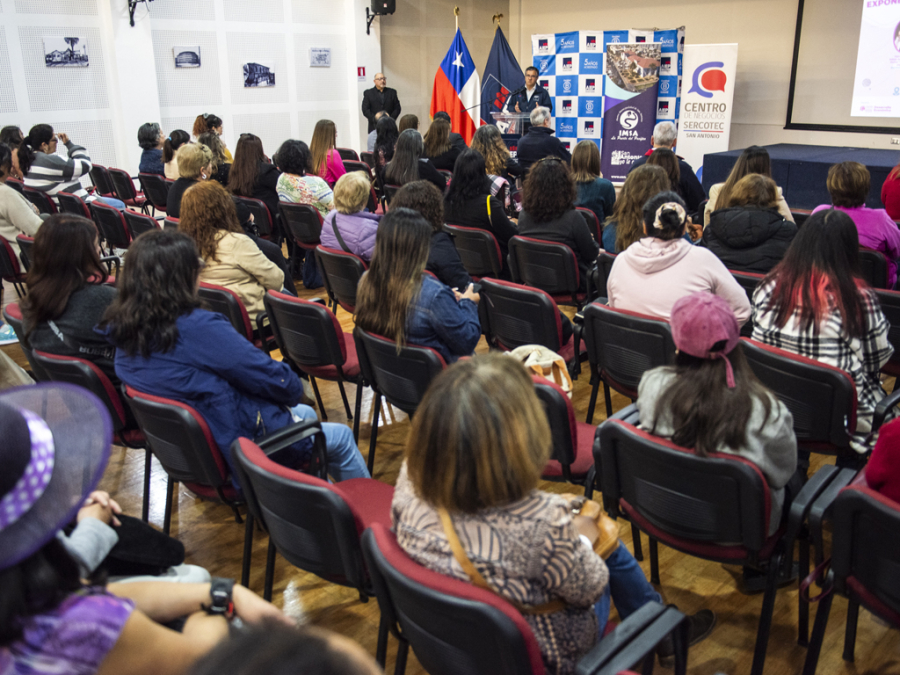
[532, 96]
[456, 140]
[539, 142]
[689, 187]
[380, 97]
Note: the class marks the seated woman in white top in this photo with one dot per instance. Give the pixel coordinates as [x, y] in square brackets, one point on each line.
[754, 159]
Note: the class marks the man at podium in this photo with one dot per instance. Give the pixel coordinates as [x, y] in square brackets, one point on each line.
[531, 96]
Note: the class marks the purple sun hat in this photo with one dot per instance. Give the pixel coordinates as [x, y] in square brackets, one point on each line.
[55, 444]
[700, 321]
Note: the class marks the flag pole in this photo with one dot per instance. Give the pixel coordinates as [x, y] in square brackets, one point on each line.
[456, 14]
[496, 19]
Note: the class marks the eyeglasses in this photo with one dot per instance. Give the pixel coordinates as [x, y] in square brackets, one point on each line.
[550, 159]
[380, 79]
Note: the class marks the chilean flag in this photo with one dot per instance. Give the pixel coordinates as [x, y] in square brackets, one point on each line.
[458, 87]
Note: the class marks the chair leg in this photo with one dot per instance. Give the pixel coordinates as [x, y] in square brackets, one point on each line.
[818, 634]
[608, 397]
[402, 653]
[315, 387]
[595, 388]
[654, 561]
[373, 439]
[346, 403]
[636, 543]
[381, 648]
[145, 506]
[270, 571]
[803, 621]
[248, 551]
[647, 666]
[357, 412]
[167, 519]
[850, 633]
[589, 482]
[765, 617]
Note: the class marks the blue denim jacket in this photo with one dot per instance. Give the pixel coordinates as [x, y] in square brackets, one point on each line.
[438, 321]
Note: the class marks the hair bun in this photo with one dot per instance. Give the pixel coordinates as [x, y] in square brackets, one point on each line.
[670, 216]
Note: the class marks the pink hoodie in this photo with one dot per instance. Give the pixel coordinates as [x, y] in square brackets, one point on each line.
[651, 274]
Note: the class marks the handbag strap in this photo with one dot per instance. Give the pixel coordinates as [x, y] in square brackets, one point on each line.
[489, 206]
[476, 577]
[337, 233]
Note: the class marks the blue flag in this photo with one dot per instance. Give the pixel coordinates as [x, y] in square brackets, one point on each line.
[502, 75]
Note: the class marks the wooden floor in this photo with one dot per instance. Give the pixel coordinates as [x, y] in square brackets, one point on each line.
[213, 539]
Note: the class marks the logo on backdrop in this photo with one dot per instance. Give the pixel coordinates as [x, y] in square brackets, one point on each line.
[544, 83]
[591, 42]
[567, 44]
[588, 128]
[565, 127]
[615, 38]
[589, 107]
[640, 38]
[591, 63]
[707, 78]
[567, 145]
[545, 65]
[567, 105]
[567, 86]
[663, 87]
[590, 85]
[663, 108]
[629, 118]
[567, 63]
[543, 46]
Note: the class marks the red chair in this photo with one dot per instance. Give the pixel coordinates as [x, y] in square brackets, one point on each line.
[69, 203]
[351, 165]
[86, 374]
[890, 307]
[156, 189]
[225, 301]
[309, 335]
[598, 275]
[262, 217]
[41, 200]
[547, 265]
[389, 192]
[10, 270]
[123, 184]
[478, 251]
[138, 223]
[111, 224]
[348, 154]
[16, 184]
[102, 181]
[590, 218]
[303, 224]
[341, 272]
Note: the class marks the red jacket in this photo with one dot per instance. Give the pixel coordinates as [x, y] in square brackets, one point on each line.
[883, 469]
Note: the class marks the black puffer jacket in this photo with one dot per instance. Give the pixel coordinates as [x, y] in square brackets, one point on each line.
[748, 238]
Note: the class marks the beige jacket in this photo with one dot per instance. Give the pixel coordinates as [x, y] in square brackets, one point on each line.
[242, 268]
[782, 206]
[17, 216]
[171, 169]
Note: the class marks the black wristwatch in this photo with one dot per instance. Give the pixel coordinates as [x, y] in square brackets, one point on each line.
[221, 603]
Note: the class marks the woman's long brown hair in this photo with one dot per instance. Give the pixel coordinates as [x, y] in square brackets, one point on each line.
[245, 169]
[628, 213]
[754, 159]
[322, 143]
[207, 211]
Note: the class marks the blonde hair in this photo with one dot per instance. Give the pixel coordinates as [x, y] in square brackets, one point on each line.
[192, 159]
[753, 190]
[351, 192]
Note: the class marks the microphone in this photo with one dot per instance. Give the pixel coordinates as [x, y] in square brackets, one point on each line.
[517, 91]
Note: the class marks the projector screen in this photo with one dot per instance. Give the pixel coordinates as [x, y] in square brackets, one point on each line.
[845, 74]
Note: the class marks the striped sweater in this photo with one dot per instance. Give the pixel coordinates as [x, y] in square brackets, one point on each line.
[53, 174]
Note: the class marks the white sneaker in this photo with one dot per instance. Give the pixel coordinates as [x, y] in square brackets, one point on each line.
[7, 335]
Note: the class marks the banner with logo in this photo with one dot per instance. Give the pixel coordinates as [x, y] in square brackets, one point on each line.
[706, 105]
[571, 68]
[631, 82]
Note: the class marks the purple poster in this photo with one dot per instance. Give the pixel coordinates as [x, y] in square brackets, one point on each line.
[629, 115]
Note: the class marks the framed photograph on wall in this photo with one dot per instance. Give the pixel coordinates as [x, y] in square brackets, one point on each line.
[320, 57]
[65, 52]
[259, 75]
[187, 57]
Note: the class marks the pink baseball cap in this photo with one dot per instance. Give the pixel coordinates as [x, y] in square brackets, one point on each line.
[700, 321]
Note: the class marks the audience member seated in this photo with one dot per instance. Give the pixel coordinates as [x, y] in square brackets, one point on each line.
[221, 168]
[749, 234]
[668, 160]
[370, 139]
[67, 293]
[410, 164]
[501, 168]
[456, 140]
[295, 185]
[167, 346]
[386, 135]
[195, 163]
[437, 145]
[815, 304]
[664, 136]
[539, 142]
[326, 160]
[12, 136]
[207, 122]
[350, 227]
[17, 214]
[53, 621]
[652, 274]
[711, 401]
[473, 461]
[47, 172]
[548, 212]
[754, 159]
[252, 175]
[848, 184]
[231, 259]
[883, 469]
[151, 139]
[890, 193]
[626, 224]
[397, 300]
[443, 258]
[173, 142]
[593, 191]
[408, 121]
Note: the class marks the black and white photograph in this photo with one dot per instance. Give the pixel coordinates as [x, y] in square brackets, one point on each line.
[187, 57]
[65, 52]
[259, 75]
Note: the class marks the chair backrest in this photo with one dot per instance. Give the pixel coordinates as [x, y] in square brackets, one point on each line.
[85, 374]
[748, 281]
[69, 203]
[599, 275]
[156, 189]
[686, 501]
[873, 267]
[262, 217]
[368, 158]
[25, 243]
[226, 302]
[356, 165]
[10, 270]
[348, 153]
[306, 332]
[123, 184]
[170, 223]
[890, 307]
[520, 315]
[390, 191]
[821, 398]
[15, 184]
[547, 265]
[102, 181]
[41, 200]
[12, 314]
[180, 438]
[401, 377]
[560, 416]
[478, 250]
[307, 518]
[454, 627]
[341, 272]
[111, 223]
[590, 218]
[302, 222]
[138, 223]
[866, 549]
[623, 345]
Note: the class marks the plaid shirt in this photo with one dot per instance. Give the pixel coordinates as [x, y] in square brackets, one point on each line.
[862, 358]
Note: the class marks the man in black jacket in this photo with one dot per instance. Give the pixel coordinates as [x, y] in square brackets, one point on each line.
[531, 96]
[689, 187]
[539, 142]
[380, 97]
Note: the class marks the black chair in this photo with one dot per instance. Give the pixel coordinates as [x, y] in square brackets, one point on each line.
[15, 184]
[25, 243]
[351, 165]
[341, 272]
[369, 159]
[262, 217]
[170, 223]
[590, 218]
[401, 377]
[446, 173]
[12, 314]
[156, 189]
[73, 204]
[348, 153]
[389, 192]
[138, 223]
[546, 265]
[10, 270]
[123, 184]
[228, 303]
[748, 281]
[102, 181]
[478, 251]
[890, 307]
[303, 224]
[41, 200]
[873, 266]
[622, 346]
[111, 224]
[598, 275]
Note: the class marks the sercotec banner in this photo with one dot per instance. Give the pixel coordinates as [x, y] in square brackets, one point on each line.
[706, 103]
